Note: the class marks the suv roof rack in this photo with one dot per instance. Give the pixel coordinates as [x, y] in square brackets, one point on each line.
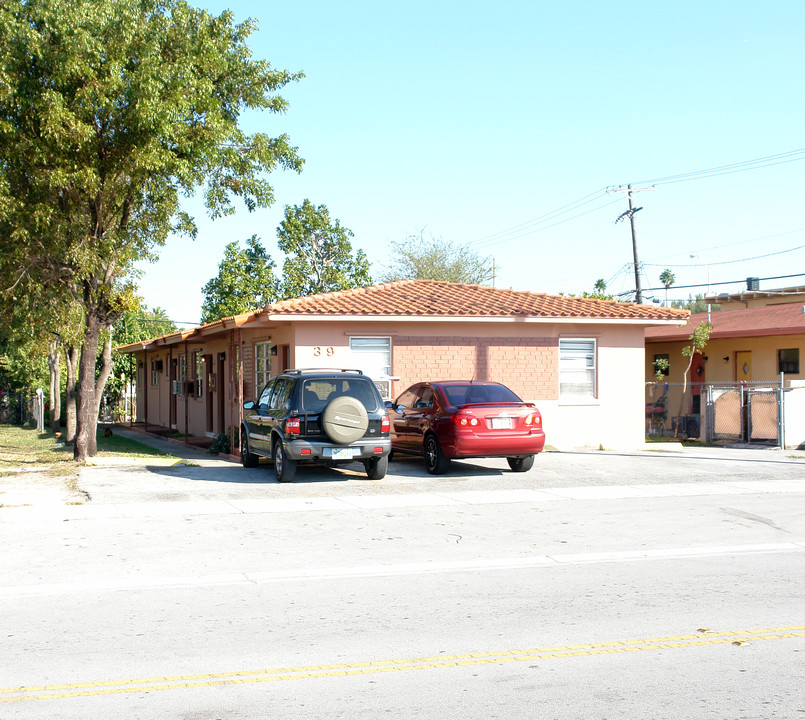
[300, 371]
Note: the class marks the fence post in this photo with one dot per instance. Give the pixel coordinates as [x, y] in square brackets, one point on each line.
[40, 410]
[781, 413]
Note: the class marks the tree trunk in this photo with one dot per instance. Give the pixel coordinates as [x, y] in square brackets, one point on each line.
[87, 416]
[682, 399]
[100, 384]
[71, 361]
[54, 396]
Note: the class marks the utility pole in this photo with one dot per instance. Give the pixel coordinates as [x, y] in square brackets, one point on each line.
[630, 213]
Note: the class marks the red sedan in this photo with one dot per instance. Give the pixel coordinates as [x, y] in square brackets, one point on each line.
[465, 419]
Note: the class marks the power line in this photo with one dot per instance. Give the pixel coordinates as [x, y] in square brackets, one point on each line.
[743, 166]
[525, 228]
[727, 262]
[531, 226]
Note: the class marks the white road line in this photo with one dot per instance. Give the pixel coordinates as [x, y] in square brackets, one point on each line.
[397, 569]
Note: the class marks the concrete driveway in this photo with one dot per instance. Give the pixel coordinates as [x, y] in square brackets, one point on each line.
[199, 482]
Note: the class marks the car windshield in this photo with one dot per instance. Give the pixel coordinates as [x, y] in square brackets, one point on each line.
[479, 393]
[317, 392]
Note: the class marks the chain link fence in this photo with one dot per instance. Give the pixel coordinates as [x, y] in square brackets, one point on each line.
[737, 412]
[17, 408]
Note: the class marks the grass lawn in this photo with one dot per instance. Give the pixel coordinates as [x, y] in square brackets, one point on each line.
[23, 447]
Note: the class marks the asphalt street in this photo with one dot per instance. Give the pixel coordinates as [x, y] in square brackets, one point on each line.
[597, 585]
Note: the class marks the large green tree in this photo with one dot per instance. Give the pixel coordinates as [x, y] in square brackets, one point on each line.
[110, 112]
[319, 253]
[245, 281]
[432, 258]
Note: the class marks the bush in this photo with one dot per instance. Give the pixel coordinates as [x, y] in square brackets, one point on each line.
[221, 444]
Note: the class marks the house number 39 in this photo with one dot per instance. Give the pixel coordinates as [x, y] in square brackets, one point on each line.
[328, 351]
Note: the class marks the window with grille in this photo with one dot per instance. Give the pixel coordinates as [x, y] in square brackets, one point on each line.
[262, 365]
[577, 369]
[788, 361]
[372, 355]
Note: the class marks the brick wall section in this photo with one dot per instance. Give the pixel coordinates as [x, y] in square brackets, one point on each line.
[529, 366]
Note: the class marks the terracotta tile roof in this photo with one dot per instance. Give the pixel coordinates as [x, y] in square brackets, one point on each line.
[787, 319]
[444, 299]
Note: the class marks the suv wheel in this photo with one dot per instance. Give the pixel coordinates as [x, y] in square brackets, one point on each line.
[284, 467]
[247, 459]
[345, 420]
[435, 461]
[376, 467]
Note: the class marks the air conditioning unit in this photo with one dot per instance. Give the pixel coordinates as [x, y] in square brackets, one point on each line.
[385, 388]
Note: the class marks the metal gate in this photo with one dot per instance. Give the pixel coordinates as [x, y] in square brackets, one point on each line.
[746, 412]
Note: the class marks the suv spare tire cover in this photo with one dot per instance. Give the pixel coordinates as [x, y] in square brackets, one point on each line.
[345, 420]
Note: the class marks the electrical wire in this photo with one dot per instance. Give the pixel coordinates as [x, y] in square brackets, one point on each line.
[529, 227]
[478, 244]
[727, 262]
[743, 166]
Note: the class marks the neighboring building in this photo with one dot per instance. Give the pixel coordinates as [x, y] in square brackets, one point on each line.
[753, 344]
[753, 296]
[579, 359]
[749, 347]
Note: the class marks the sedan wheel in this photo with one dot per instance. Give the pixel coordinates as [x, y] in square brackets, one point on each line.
[435, 461]
[284, 467]
[521, 464]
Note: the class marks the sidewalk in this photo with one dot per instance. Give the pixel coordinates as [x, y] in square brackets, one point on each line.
[177, 448]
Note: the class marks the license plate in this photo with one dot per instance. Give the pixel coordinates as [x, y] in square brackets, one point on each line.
[342, 454]
[501, 423]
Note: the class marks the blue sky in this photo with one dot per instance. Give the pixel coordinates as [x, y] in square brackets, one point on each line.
[501, 124]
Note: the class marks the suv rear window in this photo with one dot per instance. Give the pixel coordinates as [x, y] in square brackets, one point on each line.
[317, 392]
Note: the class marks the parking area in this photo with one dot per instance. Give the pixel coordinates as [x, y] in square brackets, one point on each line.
[205, 477]
[200, 477]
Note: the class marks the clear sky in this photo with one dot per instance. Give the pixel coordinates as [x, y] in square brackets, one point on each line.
[501, 124]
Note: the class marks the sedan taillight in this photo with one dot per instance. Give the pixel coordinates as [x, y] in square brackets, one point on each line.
[293, 426]
[464, 420]
[534, 419]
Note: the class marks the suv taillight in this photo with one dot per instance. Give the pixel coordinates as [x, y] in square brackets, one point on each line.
[293, 426]
[385, 425]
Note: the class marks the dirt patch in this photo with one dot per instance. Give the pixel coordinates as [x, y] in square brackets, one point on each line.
[36, 487]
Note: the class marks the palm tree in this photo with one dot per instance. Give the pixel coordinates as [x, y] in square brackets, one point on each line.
[600, 286]
[667, 278]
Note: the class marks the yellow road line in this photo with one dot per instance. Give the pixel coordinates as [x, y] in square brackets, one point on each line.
[114, 687]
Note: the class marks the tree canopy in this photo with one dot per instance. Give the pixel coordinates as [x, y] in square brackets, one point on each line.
[245, 281]
[110, 112]
[319, 253]
[420, 258]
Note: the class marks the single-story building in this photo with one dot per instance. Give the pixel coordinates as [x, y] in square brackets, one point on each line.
[580, 359]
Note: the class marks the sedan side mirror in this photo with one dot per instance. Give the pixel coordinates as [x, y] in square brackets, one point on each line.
[248, 405]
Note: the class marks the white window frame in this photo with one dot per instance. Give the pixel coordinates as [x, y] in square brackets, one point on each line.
[262, 351]
[379, 370]
[575, 362]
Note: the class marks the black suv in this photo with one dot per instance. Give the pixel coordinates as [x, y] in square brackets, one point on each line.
[323, 416]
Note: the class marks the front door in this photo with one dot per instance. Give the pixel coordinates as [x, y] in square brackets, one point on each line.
[743, 366]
